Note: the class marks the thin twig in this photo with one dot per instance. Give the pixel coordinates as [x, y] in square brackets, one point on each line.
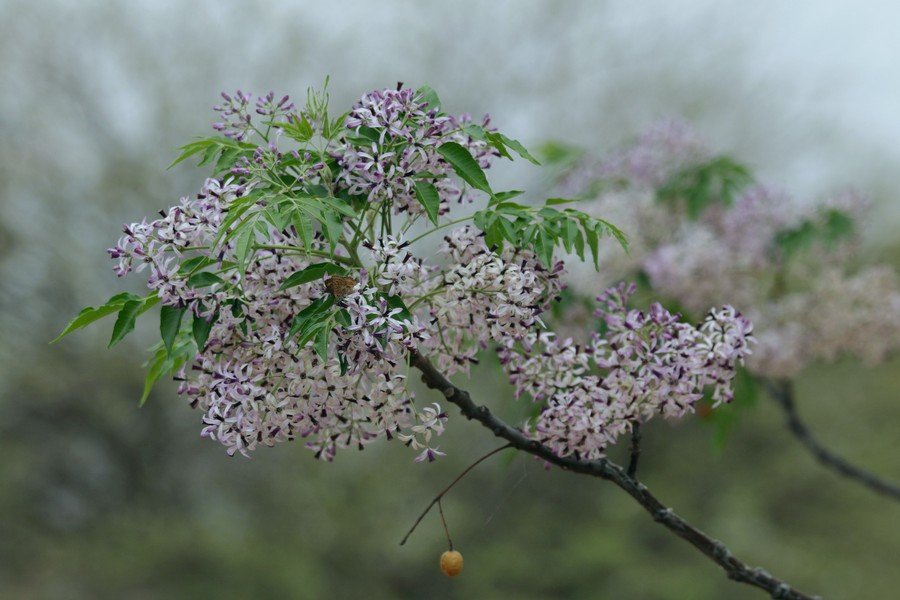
[437, 499]
[783, 393]
[605, 469]
[444, 523]
[635, 449]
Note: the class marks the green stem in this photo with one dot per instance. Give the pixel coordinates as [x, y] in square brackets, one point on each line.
[439, 227]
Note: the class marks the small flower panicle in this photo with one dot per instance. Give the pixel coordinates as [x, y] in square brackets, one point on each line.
[431, 422]
[160, 244]
[486, 298]
[647, 363]
[791, 264]
[665, 148]
[235, 112]
[404, 135]
[268, 107]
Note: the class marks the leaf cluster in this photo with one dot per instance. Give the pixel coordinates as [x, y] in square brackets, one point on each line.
[698, 186]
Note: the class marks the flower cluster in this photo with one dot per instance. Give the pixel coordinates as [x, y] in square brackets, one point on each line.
[404, 131]
[159, 245]
[255, 380]
[376, 333]
[236, 120]
[789, 263]
[664, 149]
[646, 363]
[486, 297]
[252, 380]
[304, 293]
[235, 111]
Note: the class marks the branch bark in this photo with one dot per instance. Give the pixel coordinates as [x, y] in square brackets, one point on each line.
[783, 393]
[605, 469]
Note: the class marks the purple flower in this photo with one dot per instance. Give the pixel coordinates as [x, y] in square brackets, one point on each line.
[647, 363]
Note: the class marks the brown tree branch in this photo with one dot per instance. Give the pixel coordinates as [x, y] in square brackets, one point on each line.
[783, 393]
[605, 469]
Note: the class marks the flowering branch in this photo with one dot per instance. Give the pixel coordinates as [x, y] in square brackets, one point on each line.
[290, 297]
[605, 469]
[783, 393]
[701, 229]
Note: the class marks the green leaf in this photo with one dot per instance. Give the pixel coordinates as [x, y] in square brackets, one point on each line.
[125, 321]
[368, 136]
[829, 229]
[555, 153]
[343, 317]
[617, 234]
[236, 210]
[278, 215]
[557, 201]
[317, 306]
[304, 229]
[311, 273]
[339, 205]
[200, 329]
[465, 166]
[838, 225]
[91, 314]
[227, 159]
[244, 246]
[717, 180]
[579, 245]
[593, 242]
[209, 146]
[321, 344]
[504, 196]
[169, 324]
[549, 213]
[547, 244]
[164, 362]
[509, 231]
[196, 263]
[571, 234]
[334, 229]
[331, 128]
[428, 197]
[427, 94]
[299, 129]
[188, 150]
[158, 367]
[500, 142]
[396, 301]
[519, 149]
[308, 332]
[309, 320]
[204, 279]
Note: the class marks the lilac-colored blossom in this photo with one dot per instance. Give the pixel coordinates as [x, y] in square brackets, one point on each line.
[791, 264]
[646, 363]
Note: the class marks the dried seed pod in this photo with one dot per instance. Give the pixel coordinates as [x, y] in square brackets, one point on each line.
[451, 563]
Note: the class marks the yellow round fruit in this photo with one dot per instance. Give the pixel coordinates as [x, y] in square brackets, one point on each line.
[451, 563]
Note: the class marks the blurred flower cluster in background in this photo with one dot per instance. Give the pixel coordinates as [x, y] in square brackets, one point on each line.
[101, 498]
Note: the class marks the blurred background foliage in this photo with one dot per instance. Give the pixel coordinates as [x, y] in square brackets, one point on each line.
[101, 499]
